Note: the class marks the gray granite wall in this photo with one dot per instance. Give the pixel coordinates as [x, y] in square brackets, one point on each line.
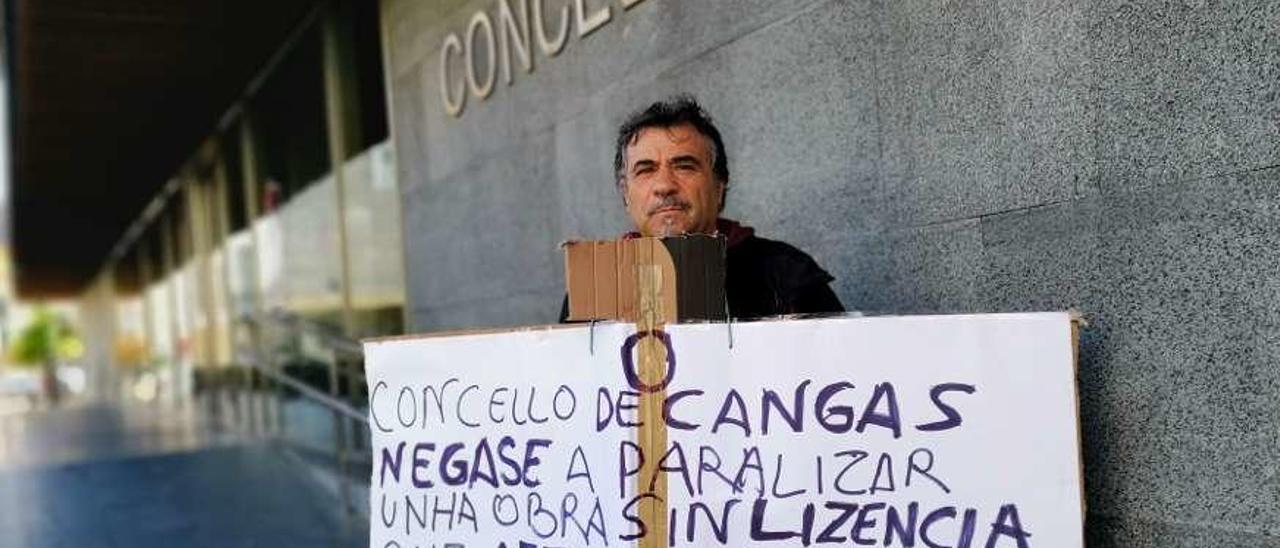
[1119, 158]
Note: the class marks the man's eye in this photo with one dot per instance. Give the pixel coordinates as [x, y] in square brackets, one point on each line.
[687, 169]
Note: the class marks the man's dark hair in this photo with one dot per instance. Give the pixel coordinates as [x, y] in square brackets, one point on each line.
[681, 109]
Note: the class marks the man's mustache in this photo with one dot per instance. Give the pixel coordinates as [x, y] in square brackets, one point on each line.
[668, 202]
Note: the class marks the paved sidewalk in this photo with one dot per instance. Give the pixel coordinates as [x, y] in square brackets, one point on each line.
[150, 476]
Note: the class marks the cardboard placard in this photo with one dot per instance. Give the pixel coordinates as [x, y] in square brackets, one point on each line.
[890, 431]
[600, 277]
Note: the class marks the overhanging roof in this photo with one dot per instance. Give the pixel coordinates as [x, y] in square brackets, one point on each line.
[109, 99]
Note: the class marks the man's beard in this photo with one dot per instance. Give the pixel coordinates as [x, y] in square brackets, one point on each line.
[669, 229]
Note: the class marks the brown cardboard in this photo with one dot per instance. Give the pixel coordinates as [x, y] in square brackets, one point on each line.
[1078, 322]
[579, 271]
[626, 280]
[605, 279]
[655, 279]
[601, 277]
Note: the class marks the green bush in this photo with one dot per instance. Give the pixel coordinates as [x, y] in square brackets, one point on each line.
[47, 338]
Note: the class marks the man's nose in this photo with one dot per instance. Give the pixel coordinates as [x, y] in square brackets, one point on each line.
[664, 183]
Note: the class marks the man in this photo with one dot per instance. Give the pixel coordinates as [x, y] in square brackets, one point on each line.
[673, 174]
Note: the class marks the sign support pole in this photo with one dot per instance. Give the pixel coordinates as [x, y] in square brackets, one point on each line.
[653, 360]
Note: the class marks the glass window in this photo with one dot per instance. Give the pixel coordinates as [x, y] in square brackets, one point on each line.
[374, 240]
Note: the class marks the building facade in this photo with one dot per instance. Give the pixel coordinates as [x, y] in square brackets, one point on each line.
[412, 166]
[1114, 158]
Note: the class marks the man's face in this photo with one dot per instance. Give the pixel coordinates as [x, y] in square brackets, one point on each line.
[668, 184]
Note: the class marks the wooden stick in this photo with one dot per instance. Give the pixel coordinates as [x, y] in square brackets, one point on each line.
[652, 354]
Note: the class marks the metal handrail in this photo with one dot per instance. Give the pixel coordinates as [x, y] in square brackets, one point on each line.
[343, 411]
[328, 336]
[307, 390]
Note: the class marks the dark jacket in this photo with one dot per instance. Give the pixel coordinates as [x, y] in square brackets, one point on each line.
[767, 277]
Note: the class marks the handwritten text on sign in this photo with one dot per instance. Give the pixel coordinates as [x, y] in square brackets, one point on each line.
[955, 431]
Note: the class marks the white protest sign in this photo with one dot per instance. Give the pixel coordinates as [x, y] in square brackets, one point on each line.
[930, 431]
